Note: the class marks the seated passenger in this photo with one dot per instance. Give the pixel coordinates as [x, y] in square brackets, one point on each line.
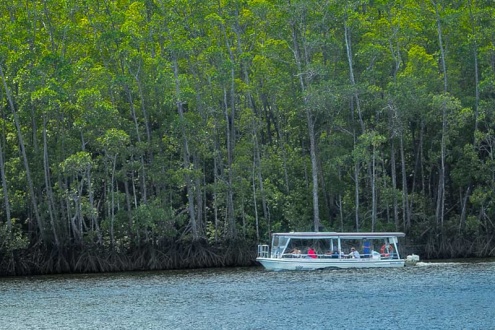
[311, 253]
[391, 250]
[295, 251]
[354, 254]
[332, 254]
[386, 250]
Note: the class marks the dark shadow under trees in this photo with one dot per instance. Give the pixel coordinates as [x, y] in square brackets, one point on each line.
[42, 260]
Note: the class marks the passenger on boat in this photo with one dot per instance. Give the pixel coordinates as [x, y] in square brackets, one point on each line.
[354, 254]
[295, 251]
[367, 249]
[386, 250]
[332, 254]
[391, 250]
[311, 253]
[383, 250]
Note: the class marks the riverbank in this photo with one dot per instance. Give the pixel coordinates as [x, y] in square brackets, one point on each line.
[72, 259]
[43, 260]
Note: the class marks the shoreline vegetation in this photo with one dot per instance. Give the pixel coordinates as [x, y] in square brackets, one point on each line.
[146, 134]
[42, 260]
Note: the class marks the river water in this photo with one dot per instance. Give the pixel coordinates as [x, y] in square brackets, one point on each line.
[457, 295]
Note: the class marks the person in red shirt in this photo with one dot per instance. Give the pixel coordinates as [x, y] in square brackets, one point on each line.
[311, 253]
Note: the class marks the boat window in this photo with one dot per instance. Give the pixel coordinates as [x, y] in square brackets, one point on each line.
[280, 241]
[279, 245]
[321, 246]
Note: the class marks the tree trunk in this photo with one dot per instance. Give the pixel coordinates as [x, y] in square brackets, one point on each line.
[112, 203]
[405, 196]
[351, 75]
[373, 188]
[4, 187]
[310, 120]
[138, 136]
[356, 193]
[185, 155]
[440, 209]
[257, 164]
[393, 174]
[230, 220]
[255, 203]
[48, 185]
[34, 202]
[94, 216]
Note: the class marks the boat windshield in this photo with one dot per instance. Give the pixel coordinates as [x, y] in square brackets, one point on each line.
[279, 245]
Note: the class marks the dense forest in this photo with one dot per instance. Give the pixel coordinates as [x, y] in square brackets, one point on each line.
[180, 133]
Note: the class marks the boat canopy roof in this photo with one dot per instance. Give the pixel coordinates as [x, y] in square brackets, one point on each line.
[324, 235]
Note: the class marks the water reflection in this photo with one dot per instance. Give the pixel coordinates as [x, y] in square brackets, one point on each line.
[456, 295]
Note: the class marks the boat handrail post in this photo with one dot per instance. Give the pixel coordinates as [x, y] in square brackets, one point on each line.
[396, 250]
[263, 250]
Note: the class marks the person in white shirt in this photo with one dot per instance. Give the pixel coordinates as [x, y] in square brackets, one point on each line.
[354, 254]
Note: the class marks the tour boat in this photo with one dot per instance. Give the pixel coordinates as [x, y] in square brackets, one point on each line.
[320, 250]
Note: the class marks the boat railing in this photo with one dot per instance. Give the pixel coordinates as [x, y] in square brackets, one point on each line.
[263, 251]
[392, 255]
[370, 257]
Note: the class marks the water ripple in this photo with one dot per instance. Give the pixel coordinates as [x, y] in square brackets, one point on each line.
[455, 295]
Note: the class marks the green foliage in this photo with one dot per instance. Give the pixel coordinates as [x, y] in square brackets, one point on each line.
[95, 94]
[12, 239]
[154, 218]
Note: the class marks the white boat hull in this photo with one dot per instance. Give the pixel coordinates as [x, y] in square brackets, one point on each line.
[277, 264]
